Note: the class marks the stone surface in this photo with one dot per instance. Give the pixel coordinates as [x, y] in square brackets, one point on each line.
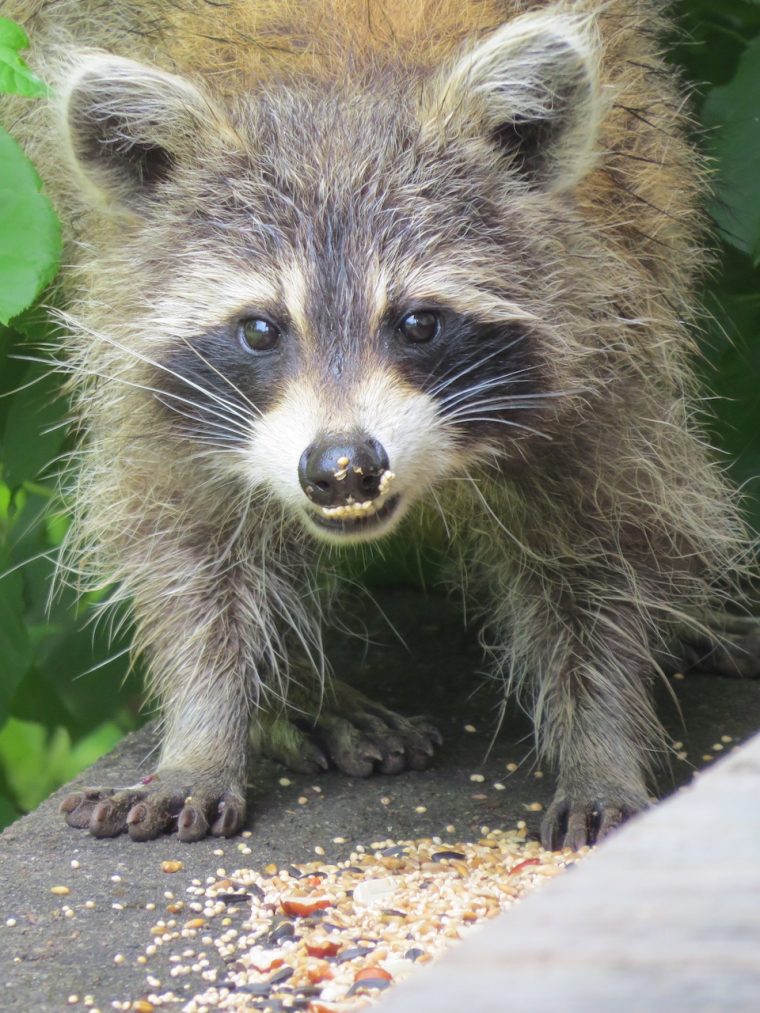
[59, 947]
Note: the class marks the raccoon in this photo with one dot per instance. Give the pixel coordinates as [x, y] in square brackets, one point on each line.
[339, 268]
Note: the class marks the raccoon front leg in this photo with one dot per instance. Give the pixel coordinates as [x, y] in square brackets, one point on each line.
[587, 676]
[200, 648]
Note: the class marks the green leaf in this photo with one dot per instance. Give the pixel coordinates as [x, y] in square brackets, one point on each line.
[15, 76]
[33, 432]
[15, 651]
[91, 676]
[734, 111]
[8, 812]
[30, 237]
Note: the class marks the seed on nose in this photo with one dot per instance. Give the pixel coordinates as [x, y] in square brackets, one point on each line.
[342, 462]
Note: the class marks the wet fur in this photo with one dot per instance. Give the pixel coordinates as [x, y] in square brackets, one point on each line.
[589, 520]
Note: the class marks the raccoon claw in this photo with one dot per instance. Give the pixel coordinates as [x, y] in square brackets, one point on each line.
[193, 820]
[231, 816]
[385, 742]
[78, 807]
[352, 753]
[145, 813]
[575, 823]
[354, 735]
[428, 730]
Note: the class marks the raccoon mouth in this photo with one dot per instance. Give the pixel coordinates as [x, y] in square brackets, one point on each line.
[349, 523]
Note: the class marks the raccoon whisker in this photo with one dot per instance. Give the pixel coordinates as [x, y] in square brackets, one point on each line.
[489, 384]
[131, 352]
[447, 379]
[226, 379]
[23, 386]
[214, 449]
[233, 429]
[106, 661]
[65, 367]
[515, 402]
[469, 412]
[442, 512]
[160, 394]
[501, 422]
[46, 554]
[535, 396]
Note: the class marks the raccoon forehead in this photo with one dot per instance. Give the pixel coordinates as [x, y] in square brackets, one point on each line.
[216, 287]
[473, 292]
[299, 291]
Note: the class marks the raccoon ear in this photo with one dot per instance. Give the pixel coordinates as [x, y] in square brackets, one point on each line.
[128, 126]
[532, 89]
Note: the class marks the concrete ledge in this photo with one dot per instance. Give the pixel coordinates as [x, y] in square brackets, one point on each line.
[666, 916]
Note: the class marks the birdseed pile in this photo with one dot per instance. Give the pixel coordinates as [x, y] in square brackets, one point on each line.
[331, 937]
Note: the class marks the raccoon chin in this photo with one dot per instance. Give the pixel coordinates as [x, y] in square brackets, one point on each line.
[343, 526]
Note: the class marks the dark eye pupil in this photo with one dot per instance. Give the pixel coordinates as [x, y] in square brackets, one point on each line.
[258, 334]
[419, 326]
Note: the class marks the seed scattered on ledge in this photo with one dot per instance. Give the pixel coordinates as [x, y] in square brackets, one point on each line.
[333, 935]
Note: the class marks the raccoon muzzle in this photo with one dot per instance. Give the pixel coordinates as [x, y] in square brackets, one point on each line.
[347, 478]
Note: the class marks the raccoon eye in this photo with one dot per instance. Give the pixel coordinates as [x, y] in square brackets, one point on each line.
[420, 326]
[257, 334]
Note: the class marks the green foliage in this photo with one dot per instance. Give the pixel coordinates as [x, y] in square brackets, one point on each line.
[15, 76]
[719, 50]
[65, 690]
[30, 238]
[733, 113]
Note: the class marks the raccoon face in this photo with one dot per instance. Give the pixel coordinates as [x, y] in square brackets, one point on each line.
[346, 315]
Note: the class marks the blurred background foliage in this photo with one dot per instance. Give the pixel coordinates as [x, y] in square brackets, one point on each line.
[66, 691]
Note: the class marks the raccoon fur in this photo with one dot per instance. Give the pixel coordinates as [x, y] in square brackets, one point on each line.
[339, 266]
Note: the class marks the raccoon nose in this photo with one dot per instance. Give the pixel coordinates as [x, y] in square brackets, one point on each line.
[340, 468]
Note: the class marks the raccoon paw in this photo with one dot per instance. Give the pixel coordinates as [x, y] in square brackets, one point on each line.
[728, 645]
[350, 732]
[576, 819]
[196, 806]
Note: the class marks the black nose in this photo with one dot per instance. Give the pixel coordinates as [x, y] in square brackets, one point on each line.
[342, 468]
